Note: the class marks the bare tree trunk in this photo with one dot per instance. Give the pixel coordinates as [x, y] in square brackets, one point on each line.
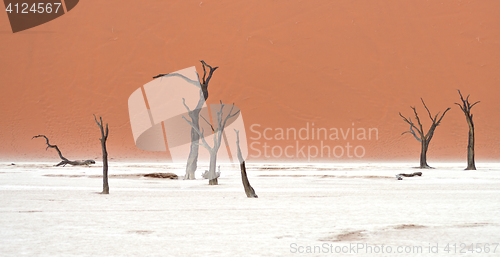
[423, 156]
[105, 185]
[192, 161]
[466, 107]
[471, 165]
[249, 191]
[104, 137]
[212, 176]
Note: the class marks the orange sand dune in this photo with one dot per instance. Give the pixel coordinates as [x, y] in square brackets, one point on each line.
[286, 64]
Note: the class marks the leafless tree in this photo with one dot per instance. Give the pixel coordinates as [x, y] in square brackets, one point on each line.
[423, 138]
[249, 191]
[64, 160]
[104, 137]
[217, 139]
[466, 106]
[192, 161]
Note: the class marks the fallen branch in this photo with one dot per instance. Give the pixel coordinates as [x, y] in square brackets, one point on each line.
[401, 175]
[162, 175]
[64, 160]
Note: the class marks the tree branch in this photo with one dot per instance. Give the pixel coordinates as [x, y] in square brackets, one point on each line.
[212, 127]
[429, 112]
[411, 131]
[160, 75]
[240, 156]
[64, 160]
[430, 133]
[190, 81]
[222, 124]
[461, 107]
[439, 121]
[465, 106]
[210, 73]
[52, 146]
[205, 80]
[185, 105]
[200, 133]
[474, 104]
[104, 133]
[410, 123]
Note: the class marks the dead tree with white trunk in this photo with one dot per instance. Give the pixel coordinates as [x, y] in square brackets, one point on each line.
[217, 139]
[420, 135]
[192, 161]
[466, 106]
[249, 191]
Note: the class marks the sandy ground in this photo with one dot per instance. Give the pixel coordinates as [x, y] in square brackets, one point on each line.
[322, 208]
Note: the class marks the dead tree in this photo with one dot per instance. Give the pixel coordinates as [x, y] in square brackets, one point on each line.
[466, 106]
[246, 184]
[192, 161]
[423, 138]
[64, 160]
[221, 122]
[104, 137]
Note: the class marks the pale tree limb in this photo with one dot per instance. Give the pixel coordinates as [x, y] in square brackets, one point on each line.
[217, 136]
[190, 81]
